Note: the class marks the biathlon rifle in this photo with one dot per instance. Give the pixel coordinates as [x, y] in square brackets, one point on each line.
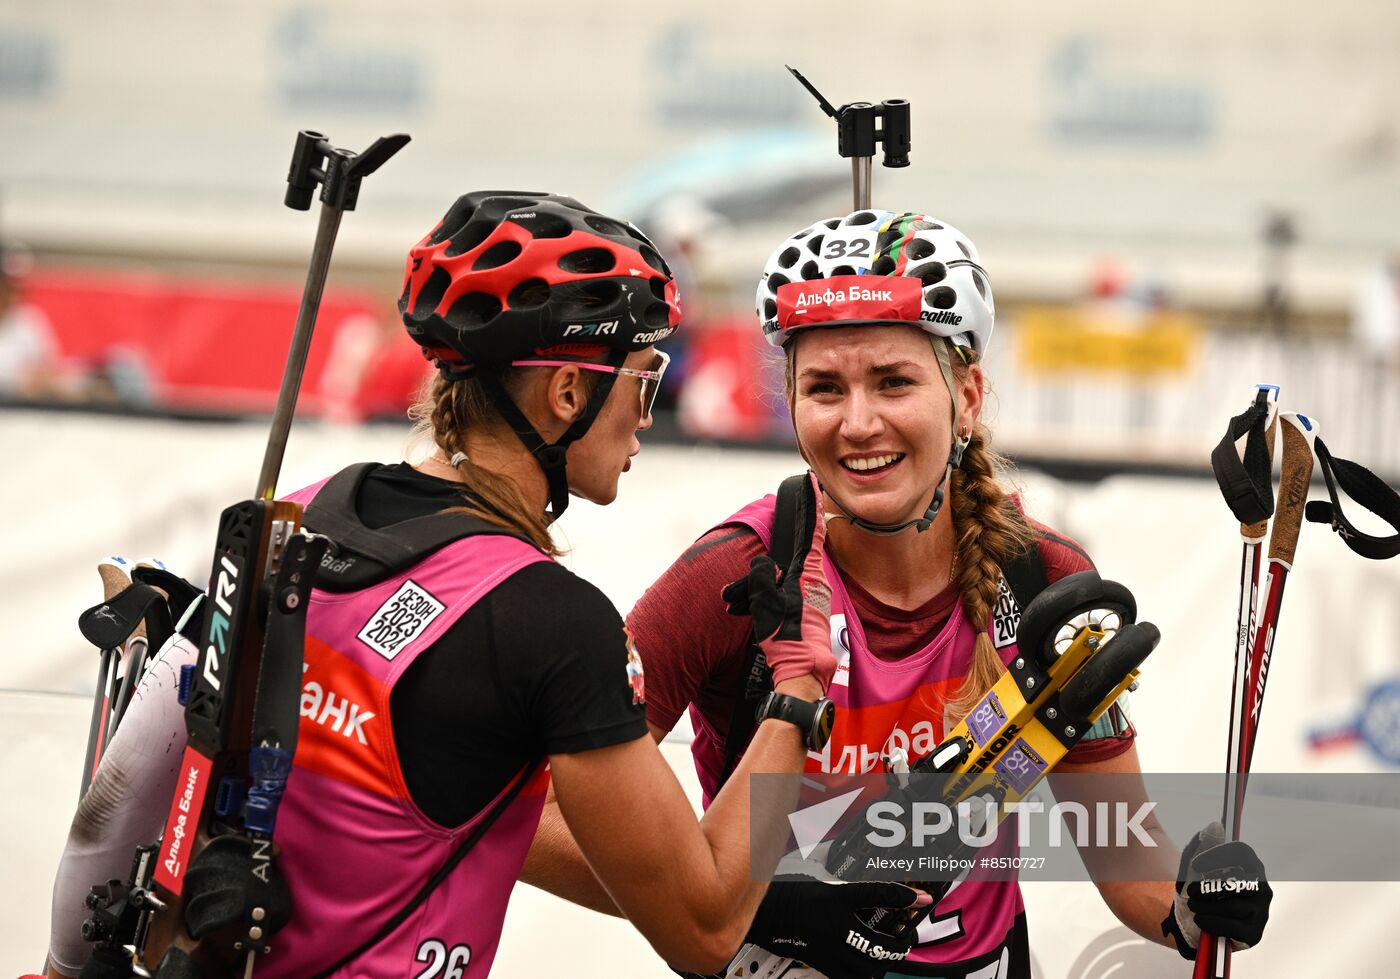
[242, 700]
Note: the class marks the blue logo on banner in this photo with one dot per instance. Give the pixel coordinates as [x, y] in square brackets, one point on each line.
[701, 89]
[1092, 105]
[26, 65]
[319, 72]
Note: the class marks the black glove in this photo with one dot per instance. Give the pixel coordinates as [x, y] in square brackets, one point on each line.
[1221, 890]
[823, 925]
[221, 889]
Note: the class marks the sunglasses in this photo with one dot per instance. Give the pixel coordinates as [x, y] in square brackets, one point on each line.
[651, 380]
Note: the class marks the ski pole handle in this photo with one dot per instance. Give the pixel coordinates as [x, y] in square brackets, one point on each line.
[1296, 474]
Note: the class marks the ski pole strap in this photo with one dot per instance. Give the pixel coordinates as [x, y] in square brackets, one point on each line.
[502, 804]
[756, 676]
[1244, 478]
[1366, 488]
[551, 455]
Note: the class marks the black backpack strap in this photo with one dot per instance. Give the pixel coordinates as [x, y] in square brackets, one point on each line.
[757, 678]
[1025, 575]
[361, 556]
[1022, 579]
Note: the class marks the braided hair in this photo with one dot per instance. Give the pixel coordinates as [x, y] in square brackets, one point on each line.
[445, 411]
[989, 531]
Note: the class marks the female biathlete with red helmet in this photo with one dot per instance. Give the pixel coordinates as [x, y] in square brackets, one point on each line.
[884, 319]
[453, 668]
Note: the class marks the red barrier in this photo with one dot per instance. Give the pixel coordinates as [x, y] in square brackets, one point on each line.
[220, 346]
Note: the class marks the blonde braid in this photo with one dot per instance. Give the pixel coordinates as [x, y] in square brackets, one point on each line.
[989, 531]
[445, 412]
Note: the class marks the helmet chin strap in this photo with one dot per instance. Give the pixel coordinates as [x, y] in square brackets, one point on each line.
[955, 455]
[551, 456]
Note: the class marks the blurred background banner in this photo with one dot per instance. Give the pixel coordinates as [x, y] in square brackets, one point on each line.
[1228, 171]
[1173, 204]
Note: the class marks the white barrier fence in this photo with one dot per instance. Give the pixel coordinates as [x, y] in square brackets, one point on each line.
[1092, 414]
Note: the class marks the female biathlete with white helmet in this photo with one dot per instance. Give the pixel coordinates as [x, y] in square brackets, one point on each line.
[453, 669]
[884, 319]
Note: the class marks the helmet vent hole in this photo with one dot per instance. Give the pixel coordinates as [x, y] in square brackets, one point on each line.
[860, 217]
[930, 272]
[501, 253]
[653, 258]
[776, 281]
[810, 270]
[546, 225]
[965, 250]
[582, 299]
[926, 226]
[530, 293]
[980, 283]
[588, 261]
[884, 265]
[941, 297]
[469, 237]
[432, 292]
[607, 226]
[789, 256]
[802, 234]
[474, 309]
[918, 250]
[833, 224]
[459, 214]
[770, 309]
[814, 244]
[658, 288]
[657, 315]
[843, 270]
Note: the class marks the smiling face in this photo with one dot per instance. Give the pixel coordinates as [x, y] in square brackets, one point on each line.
[873, 416]
[596, 461]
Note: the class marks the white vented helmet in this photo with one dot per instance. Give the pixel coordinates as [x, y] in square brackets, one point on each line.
[912, 268]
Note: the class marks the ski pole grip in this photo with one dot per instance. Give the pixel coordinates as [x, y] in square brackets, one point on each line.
[1296, 475]
[114, 580]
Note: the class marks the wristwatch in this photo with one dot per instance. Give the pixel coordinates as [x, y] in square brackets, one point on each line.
[814, 719]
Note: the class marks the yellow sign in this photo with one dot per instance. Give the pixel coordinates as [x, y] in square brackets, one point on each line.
[1053, 339]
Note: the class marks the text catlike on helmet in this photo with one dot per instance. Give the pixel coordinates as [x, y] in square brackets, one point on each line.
[510, 274]
[877, 267]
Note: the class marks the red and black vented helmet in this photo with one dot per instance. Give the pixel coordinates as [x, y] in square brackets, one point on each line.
[509, 274]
